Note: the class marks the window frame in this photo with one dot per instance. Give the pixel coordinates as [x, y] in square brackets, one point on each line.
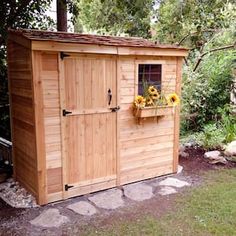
[147, 62]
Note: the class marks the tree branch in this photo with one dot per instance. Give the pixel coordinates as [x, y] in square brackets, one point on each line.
[191, 34]
[212, 50]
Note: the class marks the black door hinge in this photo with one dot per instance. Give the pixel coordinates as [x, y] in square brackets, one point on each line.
[115, 109]
[65, 112]
[63, 55]
[67, 187]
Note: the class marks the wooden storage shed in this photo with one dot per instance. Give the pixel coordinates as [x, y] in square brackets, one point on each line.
[69, 135]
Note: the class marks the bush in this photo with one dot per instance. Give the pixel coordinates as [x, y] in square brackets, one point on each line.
[206, 91]
[216, 134]
[211, 137]
[228, 123]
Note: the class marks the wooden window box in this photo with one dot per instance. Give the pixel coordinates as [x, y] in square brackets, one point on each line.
[159, 111]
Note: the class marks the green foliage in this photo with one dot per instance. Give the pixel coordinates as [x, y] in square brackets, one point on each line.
[23, 14]
[115, 17]
[207, 90]
[228, 123]
[212, 137]
[206, 210]
[196, 18]
[216, 134]
[17, 14]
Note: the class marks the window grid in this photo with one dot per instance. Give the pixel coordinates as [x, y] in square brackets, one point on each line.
[151, 73]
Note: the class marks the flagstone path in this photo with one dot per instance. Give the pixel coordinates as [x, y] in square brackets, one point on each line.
[111, 199]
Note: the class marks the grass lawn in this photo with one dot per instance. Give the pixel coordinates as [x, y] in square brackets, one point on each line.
[206, 210]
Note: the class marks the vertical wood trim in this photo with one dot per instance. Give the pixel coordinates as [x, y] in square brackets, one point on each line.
[177, 114]
[118, 157]
[10, 108]
[39, 127]
[136, 64]
[61, 73]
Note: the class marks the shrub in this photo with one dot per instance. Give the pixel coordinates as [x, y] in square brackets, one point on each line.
[228, 123]
[212, 137]
[205, 91]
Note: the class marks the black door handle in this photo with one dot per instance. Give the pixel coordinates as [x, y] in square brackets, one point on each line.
[109, 97]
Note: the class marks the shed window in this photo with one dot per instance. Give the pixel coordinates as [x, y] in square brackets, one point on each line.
[150, 73]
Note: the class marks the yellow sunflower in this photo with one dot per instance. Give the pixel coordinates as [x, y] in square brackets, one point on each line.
[139, 101]
[152, 90]
[155, 96]
[173, 99]
[149, 102]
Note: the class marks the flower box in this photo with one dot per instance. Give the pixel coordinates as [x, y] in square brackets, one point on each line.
[153, 112]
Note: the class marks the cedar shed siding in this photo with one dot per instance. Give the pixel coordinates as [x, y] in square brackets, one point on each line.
[22, 115]
[38, 84]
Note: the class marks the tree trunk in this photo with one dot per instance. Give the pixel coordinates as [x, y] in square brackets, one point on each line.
[61, 15]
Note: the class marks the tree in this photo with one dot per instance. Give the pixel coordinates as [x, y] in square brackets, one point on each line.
[17, 14]
[62, 15]
[195, 23]
[207, 27]
[116, 17]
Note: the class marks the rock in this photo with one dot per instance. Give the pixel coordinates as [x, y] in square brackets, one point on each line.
[232, 159]
[230, 149]
[16, 196]
[82, 208]
[167, 190]
[174, 182]
[212, 155]
[182, 148]
[109, 199]
[50, 218]
[180, 169]
[138, 191]
[217, 160]
[215, 157]
[182, 152]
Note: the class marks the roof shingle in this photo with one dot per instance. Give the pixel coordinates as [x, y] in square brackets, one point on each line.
[90, 39]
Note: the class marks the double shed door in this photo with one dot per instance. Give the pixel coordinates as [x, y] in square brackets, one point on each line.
[89, 127]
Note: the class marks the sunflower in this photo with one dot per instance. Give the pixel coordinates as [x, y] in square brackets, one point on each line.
[152, 90]
[173, 99]
[139, 101]
[155, 96]
[149, 101]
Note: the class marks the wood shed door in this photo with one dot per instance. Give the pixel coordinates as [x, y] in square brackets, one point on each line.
[88, 92]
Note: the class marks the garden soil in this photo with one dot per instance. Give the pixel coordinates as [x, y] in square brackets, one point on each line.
[17, 221]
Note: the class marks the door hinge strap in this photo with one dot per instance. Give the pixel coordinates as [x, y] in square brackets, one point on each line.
[65, 112]
[63, 55]
[67, 187]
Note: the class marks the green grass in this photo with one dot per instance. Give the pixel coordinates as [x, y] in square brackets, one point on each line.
[206, 210]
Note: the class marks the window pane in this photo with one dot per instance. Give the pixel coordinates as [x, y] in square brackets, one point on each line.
[151, 73]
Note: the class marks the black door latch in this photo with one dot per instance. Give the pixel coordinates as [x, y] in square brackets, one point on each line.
[115, 109]
[65, 112]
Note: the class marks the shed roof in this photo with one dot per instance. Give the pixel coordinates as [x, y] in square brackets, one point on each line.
[90, 39]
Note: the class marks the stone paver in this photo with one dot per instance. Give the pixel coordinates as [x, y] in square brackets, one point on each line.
[138, 191]
[50, 218]
[83, 208]
[166, 190]
[174, 182]
[110, 199]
